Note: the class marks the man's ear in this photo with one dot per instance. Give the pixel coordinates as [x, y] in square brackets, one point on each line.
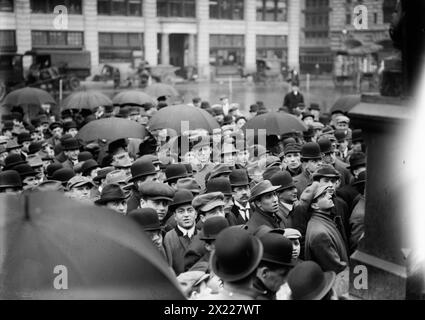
[202, 217]
[142, 203]
[314, 206]
[262, 272]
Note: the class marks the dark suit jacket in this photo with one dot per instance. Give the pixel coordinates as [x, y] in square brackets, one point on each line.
[259, 218]
[291, 100]
[234, 217]
[194, 252]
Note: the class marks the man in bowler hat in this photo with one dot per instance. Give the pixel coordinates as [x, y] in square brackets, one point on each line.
[71, 149]
[241, 211]
[288, 196]
[113, 197]
[311, 159]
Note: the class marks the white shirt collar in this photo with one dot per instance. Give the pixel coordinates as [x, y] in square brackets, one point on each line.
[247, 207]
[287, 205]
[189, 232]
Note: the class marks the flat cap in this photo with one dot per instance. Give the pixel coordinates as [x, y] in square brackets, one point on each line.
[157, 191]
[208, 201]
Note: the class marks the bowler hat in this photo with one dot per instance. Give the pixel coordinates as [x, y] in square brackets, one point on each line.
[51, 168]
[70, 144]
[307, 114]
[101, 174]
[84, 156]
[307, 281]
[283, 180]
[181, 197]
[25, 170]
[116, 144]
[220, 184]
[287, 141]
[238, 178]
[314, 106]
[89, 165]
[63, 175]
[12, 144]
[277, 249]
[142, 168]
[261, 188]
[157, 191]
[34, 147]
[147, 218]
[326, 170]
[189, 184]
[356, 135]
[55, 125]
[24, 137]
[341, 134]
[219, 170]
[50, 185]
[270, 171]
[237, 254]
[309, 133]
[111, 192]
[227, 120]
[13, 160]
[325, 145]
[208, 201]
[360, 179]
[189, 169]
[357, 159]
[69, 125]
[310, 151]
[10, 179]
[212, 227]
[175, 171]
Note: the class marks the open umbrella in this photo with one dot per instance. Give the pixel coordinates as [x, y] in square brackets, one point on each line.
[161, 89]
[56, 248]
[86, 100]
[345, 103]
[276, 123]
[132, 97]
[111, 129]
[183, 116]
[28, 97]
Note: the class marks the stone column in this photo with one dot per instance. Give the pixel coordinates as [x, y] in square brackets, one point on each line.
[203, 56]
[23, 30]
[191, 50]
[91, 36]
[150, 35]
[165, 48]
[379, 254]
[250, 36]
[294, 13]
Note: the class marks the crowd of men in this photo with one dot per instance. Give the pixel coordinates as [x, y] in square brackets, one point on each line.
[278, 221]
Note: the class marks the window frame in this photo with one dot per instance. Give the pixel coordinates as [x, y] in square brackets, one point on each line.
[229, 14]
[49, 36]
[48, 6]
[11, 4]
[183, 11]
[127, 9]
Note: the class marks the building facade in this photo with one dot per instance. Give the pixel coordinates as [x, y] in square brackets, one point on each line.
[218, 37]
[327, 27]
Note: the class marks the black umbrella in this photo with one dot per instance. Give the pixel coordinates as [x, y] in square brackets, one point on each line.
[111, 129]
[86, 100]
[345, 103]
[49, 242]
[276, 123]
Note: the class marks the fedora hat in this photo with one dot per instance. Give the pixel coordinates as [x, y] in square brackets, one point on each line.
[10, 179]
[219, 170]
[325, 145]
[189, 184]
[310, 150]
[208, 201]
[111, 192]
[69, 125]
[220, 184]
[307, 281]
[89, 165]
[238, 178]
[277, 249]
[175, 171]
[70, 144]
[261, 188]
[180, 198]
[63, 175]
[326, 170]
[357, 159]
[212, 227]
[237, 254]
[283, 180]
[13, 160]
[147, 218]
[101, 174]
[142, 168]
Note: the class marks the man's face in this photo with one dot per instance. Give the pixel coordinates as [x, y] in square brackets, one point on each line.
[316, 114]
[30, 182]
[25, 145]
[332, 183]
[273, 279]
[72, 154]
[292, 160]
[160, 205]
[242, 157]
[48, 149]
[228, 200]
[229, 159]
[119, 206]
[185, 216]
[324, 202]
[296, 248]
[268, 202]
[329, 157]
[219, 118]
[156, 237]
[204, 154]
[73, 132]
[241, 194]
[357, 147]
[312, 165]
[256, 175]
[341, 125]
[3, 156]
[342, 145]
[36, 136]
[57, 132]
[81, 193]
[289, 196]
[308, 121]
[217, 211]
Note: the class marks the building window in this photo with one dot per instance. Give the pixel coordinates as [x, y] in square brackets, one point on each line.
[348, 19]
[48, 6]
[375, 18]
[272, 47]
[176, 8]
[7, 40]
[120, 7]
[227, 9]
[6, 5]
[272, 10]
[227, 53]
[57, 39]
[119, 47]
